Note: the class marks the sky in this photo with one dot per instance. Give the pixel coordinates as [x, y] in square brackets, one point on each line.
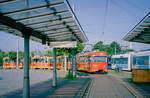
[121, 16]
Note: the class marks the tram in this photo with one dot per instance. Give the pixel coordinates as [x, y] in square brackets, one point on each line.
[8, 63]
[123, 61]
[92, 61]
[141, 60]
[21, 62]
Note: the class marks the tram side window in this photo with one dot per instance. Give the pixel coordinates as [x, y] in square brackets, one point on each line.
[7, 61]
[141, 60]
[123, 61]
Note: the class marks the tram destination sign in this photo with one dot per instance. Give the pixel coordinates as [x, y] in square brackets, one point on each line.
[63, 44]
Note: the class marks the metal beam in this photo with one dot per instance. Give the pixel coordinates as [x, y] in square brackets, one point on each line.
[53, 25]
[59, 36]
[59, 33]
[9, 1]
[48, 21]
[5, 20]
[62, 36]
[41, 16]
[58, 28]
[32, 9]
[48, 33]
[63, 39]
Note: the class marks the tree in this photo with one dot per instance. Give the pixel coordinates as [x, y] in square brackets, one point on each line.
[79, 48]
[127, 50]
[98, 46]
[2, 54]
[48, 53]
[111, 49]
[68, 51]
[21, 54]
[12, 55]
[32, 53]
[115, 47]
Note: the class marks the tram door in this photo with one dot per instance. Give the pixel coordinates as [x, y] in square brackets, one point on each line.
[89, 63]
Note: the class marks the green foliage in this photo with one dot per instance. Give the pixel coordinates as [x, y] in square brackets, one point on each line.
[79, 48]
[32, 53]
[69, 75]
[127, 50]
[12, 55]
[111, 49]
[48, 53]
[115, 47]
[68, 51]
[2, 54]
[21, 54]
[98, 46]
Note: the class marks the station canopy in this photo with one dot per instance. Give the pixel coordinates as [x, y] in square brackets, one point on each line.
[44, 20]
[141, 32]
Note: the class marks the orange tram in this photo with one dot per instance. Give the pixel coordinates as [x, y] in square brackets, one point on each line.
[89, 62]
[35, 63]
[92, 61]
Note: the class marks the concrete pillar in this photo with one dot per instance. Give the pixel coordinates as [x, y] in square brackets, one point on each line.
[54, 68]
[26, 81]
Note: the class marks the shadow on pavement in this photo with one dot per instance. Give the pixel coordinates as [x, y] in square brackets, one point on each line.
[65, 87]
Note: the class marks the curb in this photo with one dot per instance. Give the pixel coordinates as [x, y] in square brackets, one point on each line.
[87, 92]
[132, 90]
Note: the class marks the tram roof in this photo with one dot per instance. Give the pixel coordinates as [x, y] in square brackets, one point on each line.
[44, 20]
[141, 32]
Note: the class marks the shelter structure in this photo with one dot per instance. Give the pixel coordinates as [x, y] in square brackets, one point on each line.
[141, 32]
[44, 21]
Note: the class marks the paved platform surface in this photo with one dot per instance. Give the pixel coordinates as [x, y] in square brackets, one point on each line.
[12, 79]
[106, 86]
[67, 88]
[140, 90]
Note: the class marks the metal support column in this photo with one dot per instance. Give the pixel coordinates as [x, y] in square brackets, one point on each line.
[73, 63]
[54, 68]
[65, 63]
[26, 81]
[18, 53]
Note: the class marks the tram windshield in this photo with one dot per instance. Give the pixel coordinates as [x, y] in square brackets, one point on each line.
[98, 59]
[120, 60]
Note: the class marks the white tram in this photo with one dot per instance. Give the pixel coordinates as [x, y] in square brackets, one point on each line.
[141, 60]
[123, 61]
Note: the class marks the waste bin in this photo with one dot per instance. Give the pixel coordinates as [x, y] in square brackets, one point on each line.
[141, 75]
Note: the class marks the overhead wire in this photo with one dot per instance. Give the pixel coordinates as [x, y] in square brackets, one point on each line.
[105, 16]
[124, 9]
[134, 5]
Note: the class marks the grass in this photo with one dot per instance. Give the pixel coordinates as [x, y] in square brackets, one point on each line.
[69, 75]
[130, 80]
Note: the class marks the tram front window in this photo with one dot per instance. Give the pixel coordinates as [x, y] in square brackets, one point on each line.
[98, 59]
[120, 60]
